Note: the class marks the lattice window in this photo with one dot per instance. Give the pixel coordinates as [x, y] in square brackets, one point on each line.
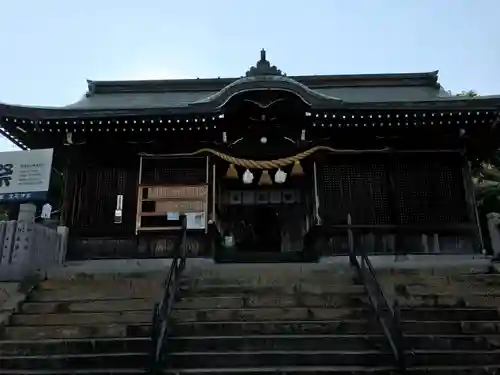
[411, 191]
[429, 190]
[451, 204]
[173, 171]
[355, 186]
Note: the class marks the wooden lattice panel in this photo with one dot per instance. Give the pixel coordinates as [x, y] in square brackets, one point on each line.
[451, 207]
[423, 189]
[357, 187]
[173, 171]
[94, 194]
[412, 191]
[429, 189]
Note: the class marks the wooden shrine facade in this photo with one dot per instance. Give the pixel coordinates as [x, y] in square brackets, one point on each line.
[401, 169]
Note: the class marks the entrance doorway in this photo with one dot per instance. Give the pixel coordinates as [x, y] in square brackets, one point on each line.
[262, 224]
[255, 229]
[267, 228]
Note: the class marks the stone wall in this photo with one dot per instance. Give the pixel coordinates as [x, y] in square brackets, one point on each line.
[27, 248]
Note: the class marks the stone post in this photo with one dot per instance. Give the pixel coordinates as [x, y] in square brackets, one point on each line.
[63, 233]
[24, 236]
[493, 222]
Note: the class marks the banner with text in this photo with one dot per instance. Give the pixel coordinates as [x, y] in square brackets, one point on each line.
[25, 175]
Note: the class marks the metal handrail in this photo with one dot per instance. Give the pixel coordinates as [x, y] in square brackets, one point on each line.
[387, 316]
[161, 310]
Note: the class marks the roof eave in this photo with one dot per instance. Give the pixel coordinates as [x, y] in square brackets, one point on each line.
[454, 103]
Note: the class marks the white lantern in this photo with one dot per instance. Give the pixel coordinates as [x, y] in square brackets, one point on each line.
[247, 177]
[280, 177]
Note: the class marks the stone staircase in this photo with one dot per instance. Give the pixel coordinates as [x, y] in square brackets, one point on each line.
[279, 318]
[82, 326]
[450, 319]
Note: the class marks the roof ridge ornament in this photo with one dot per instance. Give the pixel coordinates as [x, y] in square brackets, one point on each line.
[263, 67]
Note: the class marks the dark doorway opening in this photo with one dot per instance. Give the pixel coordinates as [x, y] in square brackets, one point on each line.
[261, 229]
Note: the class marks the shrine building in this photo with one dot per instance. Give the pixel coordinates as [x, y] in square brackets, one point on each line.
[266, 167]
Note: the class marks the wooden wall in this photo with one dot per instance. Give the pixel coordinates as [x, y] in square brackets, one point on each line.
[399, 203]
[90, 198]
[402, 190]
[379, 191]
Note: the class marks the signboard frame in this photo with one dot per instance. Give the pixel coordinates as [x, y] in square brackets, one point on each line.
[25, 175]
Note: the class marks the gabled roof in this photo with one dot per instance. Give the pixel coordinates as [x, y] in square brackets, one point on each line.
[186, 96]
[183, 92]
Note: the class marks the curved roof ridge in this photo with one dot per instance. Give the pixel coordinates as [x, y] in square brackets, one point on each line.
[430, 74]
[265, 82]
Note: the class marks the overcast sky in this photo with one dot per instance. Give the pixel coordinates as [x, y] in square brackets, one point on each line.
[49, 48]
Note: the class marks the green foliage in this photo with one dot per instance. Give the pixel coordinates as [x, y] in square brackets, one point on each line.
[488, 198]
[468, 93]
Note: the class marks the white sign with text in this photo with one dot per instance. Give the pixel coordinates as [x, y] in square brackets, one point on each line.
[25, 175]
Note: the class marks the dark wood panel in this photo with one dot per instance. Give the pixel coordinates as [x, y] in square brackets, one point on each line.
[93, 193]
[429, 190]
[171, 171]
[358, 186]
[142, 247]
[402, 189]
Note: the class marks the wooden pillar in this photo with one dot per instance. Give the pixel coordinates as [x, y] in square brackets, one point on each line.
[65, 196]
[393, 201]
[470, 198]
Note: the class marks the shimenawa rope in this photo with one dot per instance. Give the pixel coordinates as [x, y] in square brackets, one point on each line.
[271, 164]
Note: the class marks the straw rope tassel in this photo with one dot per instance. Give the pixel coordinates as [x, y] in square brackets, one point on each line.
[265, 179]
[232, 173]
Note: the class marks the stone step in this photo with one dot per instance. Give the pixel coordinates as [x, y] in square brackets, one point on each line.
[108, 284]
[285, 289]
[271, 300]
[421, 358]
[128, 304]
[460, 289]
[75, 346]
[448, 327]
[283, 272]
[70, 319]
[274, 280]
[74, 331]
[278, 358]
[458, 342]
[123, 371]
[437, 277]
[268, 313]
[76, 361]
[326, 341]
[450, 314]
[90, 295]
[336, 370]
[452, 270]
[455, 370]
[276, 342]
[240, 328]
[309, 370]
[449, 300]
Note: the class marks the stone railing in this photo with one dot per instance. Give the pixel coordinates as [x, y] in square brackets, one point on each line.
[27, 248]
[494, 232]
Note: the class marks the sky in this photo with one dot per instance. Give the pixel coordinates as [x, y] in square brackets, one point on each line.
[50, 48]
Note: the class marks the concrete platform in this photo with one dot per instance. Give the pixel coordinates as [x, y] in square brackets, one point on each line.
[474, 262]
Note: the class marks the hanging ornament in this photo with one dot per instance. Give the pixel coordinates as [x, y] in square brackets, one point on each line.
[280, 177]
[247, 177]
[232, 173]
[265, 179]
[297, 169]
